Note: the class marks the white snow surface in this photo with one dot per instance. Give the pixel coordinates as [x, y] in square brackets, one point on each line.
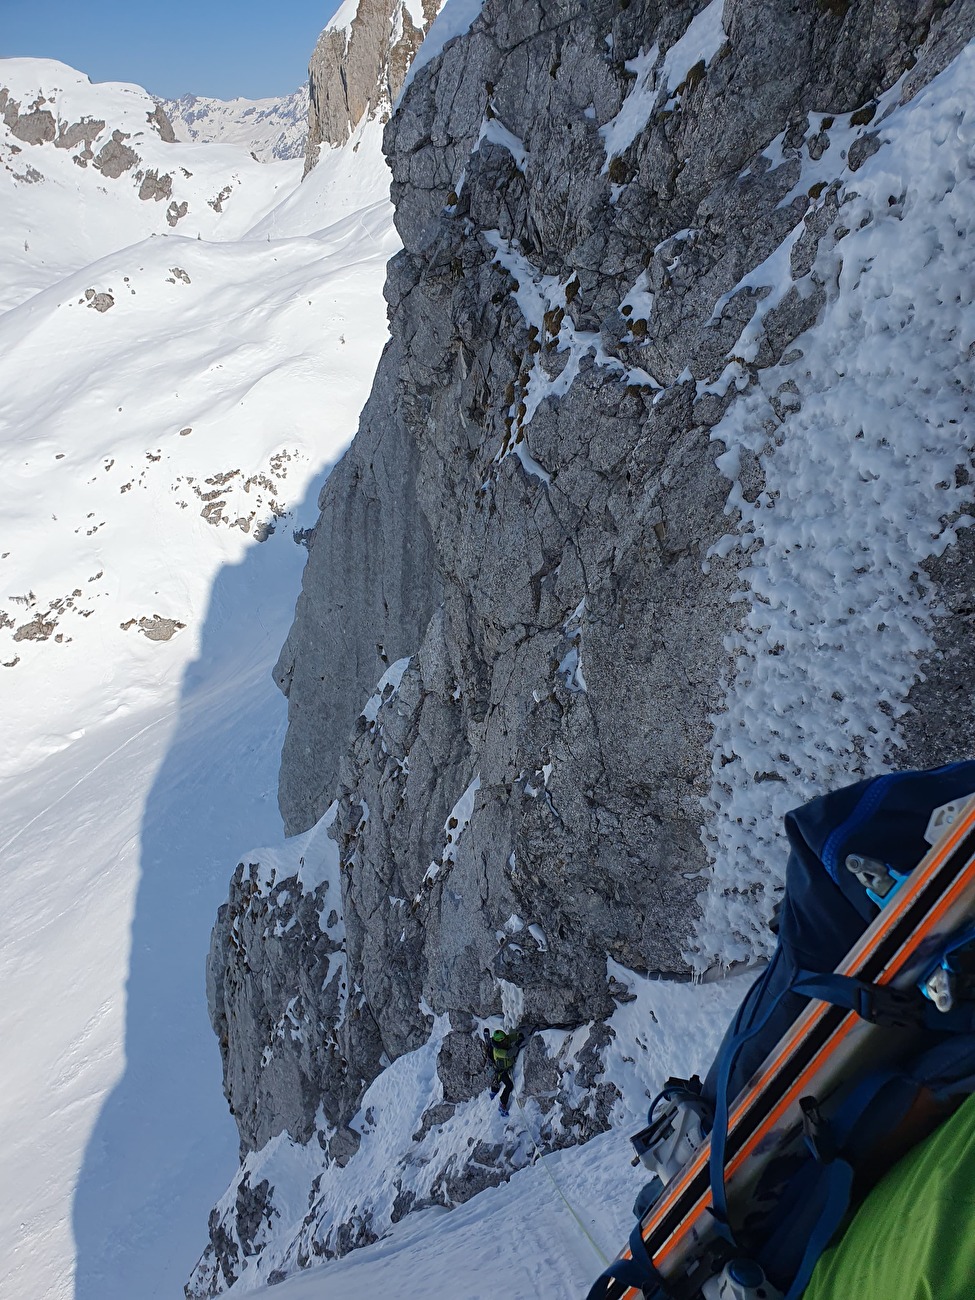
[343, 18]
[275, 128]
[620, 131]
[386, 688]
[701, 41]
[143, 450]
[874, 418]
[347, 180]
[657, 79]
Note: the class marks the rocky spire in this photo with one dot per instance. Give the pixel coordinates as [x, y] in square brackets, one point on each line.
[359, 65]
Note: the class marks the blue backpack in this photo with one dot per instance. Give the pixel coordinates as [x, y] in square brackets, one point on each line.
[880, 824]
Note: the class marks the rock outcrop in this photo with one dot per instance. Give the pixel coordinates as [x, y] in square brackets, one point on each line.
[534, 578]
[357, 70]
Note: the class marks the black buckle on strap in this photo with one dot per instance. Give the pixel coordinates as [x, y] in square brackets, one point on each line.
[892, 1008]
[816, 1131]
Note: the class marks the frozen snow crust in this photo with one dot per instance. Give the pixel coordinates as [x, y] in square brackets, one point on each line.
[863, 437]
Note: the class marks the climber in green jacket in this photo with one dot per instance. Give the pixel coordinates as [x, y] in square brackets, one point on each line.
[502, 1050]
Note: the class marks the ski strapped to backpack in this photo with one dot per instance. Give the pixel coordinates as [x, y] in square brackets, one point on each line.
[747, 1193]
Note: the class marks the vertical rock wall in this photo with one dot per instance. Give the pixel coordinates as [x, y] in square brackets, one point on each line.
[357, 71]
[579, 189]
[518, 616]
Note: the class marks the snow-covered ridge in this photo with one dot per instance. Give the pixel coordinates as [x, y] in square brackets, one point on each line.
[67, 145]
[269, 128]
[343, 18]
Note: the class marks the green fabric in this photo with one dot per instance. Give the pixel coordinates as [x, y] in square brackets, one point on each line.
[505, 1053]
[913, 1238]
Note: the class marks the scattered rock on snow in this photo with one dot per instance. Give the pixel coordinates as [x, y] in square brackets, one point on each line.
[100, 301]
[38, 629]
[155, 186]
[156, 628]
[115, 156]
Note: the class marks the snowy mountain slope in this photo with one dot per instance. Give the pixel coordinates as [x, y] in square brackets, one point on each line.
[113, 850]
[173, 430]
[87, 169]
[270, 128]
[165, 402]
[346, 177]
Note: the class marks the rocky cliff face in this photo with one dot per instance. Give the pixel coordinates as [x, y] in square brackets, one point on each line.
[582, 541]
[530, 505]
[359, 66]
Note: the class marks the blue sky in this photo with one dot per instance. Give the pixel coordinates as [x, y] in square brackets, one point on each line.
[254, 48]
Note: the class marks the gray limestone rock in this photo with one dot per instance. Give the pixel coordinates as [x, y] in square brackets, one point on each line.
[100, 302]
[943, 702]
[35, 126]
[359, 72]
[221, 1264]
[115, 157]
[523, 798]
[84, 132]
[371, 521]
[271, 988]
[462, 1066]
[40, 628]
[158, 628]
[155, 186]
[546, 575]
[159, 120]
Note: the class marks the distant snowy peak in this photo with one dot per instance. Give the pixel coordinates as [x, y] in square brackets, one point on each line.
[360, 63]
[269, 128]
[87, 168]
[46, 102]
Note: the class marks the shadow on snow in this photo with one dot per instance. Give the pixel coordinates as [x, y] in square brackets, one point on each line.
[164, 1148]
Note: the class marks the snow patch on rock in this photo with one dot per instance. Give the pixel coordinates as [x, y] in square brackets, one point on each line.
[859, 433]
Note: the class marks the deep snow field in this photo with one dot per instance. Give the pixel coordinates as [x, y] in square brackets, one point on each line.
[144, 452]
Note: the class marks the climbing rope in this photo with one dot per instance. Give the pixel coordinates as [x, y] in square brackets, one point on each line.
[568, 1204]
